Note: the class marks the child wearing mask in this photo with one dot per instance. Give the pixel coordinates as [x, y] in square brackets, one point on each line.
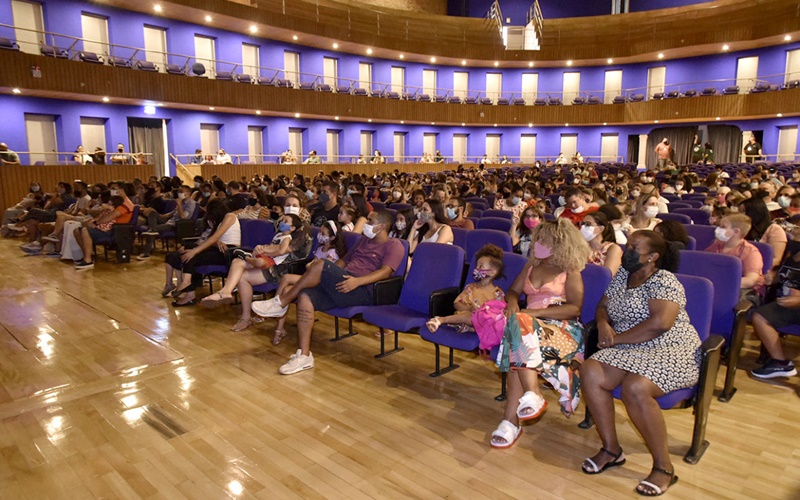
[730, 240]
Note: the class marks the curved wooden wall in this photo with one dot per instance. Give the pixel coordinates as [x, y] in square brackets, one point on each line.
[85, 81]
[587, 38]
[15, 180]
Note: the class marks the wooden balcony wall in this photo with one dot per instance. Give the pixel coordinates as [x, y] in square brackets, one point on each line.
[583, 38]
[15, 180]
[85, 81]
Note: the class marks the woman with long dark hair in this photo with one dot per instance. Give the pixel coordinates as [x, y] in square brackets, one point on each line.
[763, 229]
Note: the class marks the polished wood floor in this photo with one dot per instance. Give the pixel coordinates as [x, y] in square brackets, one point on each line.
[108, 392]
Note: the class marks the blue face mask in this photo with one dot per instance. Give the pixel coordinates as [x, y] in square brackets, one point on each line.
[515, 200]
[283, 227]
[451, 213]
[310, 194]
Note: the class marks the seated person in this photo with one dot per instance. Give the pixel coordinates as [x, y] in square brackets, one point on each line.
[577, 206]
[488, 267]
[330, 247]
[33, 198]
[290, 230]
[521, 233]
[763, 229]
[645, 214]
[673, 231]
[783, 312]
[730, 240]
[455, 209]
[328, 207]
[403, 222]
[93, 229]
[158, 224]
[430, 226]
[512, 200]
[642, 328]
[599, 232]
[547, 336]
[326, 285]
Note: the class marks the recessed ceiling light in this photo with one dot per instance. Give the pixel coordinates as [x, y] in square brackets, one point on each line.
[297, 115]
[566, 124]
[254, 28]
[609, 60]
[369, 51]
[433, 123]
[463, 62]
[569, 63]
[258, 111]
[106, 99]
[16, 91]
[335, 117]
[530, 64]
[780, 115]
[402, 56]
[402, 122]
[787, 38]
[157, 8]
[463, 124]
[209, 19]
[725, 47]
[370, 120]
[496, 64]
[605, 123]
[530, 125]
[495, 124]
[335, 45]
[661, 56]
[294, 37]
[433, 59]
[655, 121]
[211, 108]
[718, 118]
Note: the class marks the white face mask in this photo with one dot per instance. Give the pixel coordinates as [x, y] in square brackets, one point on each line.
[588, 232]
[113, 192]
[291, 210]
[369, 231]
[650, 212]
[678, 186]
[721, 234]
[635, 193]
[578, 210]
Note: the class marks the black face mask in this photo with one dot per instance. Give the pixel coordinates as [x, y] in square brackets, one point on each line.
[252, 201]
[274, 215]
[324, 197]
[630, 261]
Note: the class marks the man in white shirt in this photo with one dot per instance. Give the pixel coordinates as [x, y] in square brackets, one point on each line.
[223, 157]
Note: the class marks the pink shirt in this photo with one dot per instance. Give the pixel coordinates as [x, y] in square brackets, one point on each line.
[752, 262]
[549, 294]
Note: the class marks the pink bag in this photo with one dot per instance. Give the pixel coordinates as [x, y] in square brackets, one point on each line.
[489, 323]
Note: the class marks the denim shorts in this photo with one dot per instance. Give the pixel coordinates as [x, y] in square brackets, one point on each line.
[325, 296]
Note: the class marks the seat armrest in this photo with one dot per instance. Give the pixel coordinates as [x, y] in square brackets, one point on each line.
[298, 266]
[743, 306]
[387, 292]
[712, 343]
[441, 302]
[189, 242]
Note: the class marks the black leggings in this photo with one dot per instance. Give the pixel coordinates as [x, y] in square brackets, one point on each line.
[208, 257]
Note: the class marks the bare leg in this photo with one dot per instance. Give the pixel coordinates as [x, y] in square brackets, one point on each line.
[170, 272]
[769, 336]
[305, 323]
[246, 283]
[310, 279]
[238, 268]
[597, 382]
[639, 395]
[86, 245]
[287, 281]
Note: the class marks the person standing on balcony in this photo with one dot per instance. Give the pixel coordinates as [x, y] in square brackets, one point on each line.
[8, 157]
[120, 157]
[752, 150]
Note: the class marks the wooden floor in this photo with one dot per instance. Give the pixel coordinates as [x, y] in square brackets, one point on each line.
[108, 392]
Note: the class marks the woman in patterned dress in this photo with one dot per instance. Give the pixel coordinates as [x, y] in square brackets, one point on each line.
[546, 337]
[648, 347]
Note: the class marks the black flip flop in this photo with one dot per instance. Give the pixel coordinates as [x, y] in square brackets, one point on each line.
[614, 463]
[185, 304]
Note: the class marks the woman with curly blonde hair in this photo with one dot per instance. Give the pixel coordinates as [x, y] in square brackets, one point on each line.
[546, 337]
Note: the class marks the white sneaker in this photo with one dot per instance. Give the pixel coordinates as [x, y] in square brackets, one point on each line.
[297, 363]
[270, 308]
[51, 238]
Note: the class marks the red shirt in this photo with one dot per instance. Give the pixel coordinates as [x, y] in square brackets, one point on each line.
[578, 218]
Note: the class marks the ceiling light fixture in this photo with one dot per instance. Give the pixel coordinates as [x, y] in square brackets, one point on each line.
[369, 51]
[605, 123]
[655, 121]
[496, 64]
[402, 122]
[725, 47]
[569, 63]
[433, 123]
[718, 118]
[661, 56]
[787, 38]
[370, 120]
[297, 115]
[211, 108]
[780, 115]
[530, 125]
[463, 124]
[258, 111]
[209, 19]
[106, 99]
[335, 45]
[433, 59]
[157, 8]
[609, 60]
[254, 28]
[495, 124]
[335, 117]
[463, 62]
[294, 37]
[159, 104]
[402, 56]
[530, 64]
[566, 124]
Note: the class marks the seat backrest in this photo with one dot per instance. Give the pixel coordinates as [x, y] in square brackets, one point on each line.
[503, 214]
[350, 239]
[692, 245]
[400, 206]
[435, 266]
[767, 253]
[460, 237]
[513, 263]
[703, 234]
[682, 218]
[699, 302]
[698, 216]
[595, 282]
[476, 213]
[477, 238]
[725, 271]
[692, 203]
[672, 205]
[500, 224]
[256, 232]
